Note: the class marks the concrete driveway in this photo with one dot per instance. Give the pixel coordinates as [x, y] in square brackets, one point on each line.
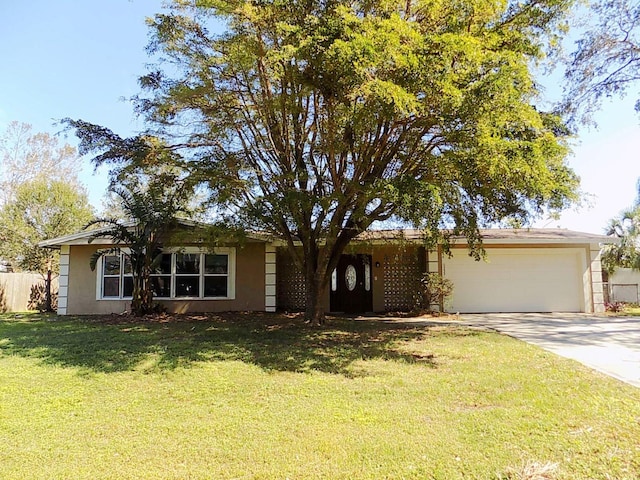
[610, 345]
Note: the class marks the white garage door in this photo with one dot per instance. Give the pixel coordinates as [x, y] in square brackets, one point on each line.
[517, 280]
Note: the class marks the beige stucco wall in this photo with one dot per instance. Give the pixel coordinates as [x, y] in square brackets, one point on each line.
[249, 293]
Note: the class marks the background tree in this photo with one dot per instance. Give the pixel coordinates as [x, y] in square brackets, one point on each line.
[41, 209]
[626, 227]
[606, 61]
[313, 120]
[25, 156]
[112, 207]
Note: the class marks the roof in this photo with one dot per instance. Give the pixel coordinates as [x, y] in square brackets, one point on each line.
[489, 236]
[95, 236]
[498, 235]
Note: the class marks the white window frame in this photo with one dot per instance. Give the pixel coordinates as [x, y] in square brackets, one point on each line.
[121, 276]
[175, 275]
[230, 252]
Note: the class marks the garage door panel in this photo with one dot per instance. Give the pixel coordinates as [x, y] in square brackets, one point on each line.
[517, 280]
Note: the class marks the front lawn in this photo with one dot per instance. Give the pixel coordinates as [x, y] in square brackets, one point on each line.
[266, 397]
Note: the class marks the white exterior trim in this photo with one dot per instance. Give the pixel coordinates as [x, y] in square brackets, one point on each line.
[597, 286]
[270, 303]
[63, 280]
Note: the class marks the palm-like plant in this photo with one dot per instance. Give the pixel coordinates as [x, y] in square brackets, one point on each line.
[153, 210]
[154, 187]
[626, 254]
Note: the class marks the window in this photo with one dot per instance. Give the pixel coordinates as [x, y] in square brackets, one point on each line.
[216, 273]
[367, 274]
[117, 279]
[187, 273]
[187, 276]
[161, 277]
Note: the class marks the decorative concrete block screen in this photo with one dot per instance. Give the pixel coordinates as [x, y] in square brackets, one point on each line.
[402, 272]
[291, 290]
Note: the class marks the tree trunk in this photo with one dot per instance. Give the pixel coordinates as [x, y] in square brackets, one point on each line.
[314, 304]
[317, 267]
[136, 300]
[316, 286]
[142, 301]
[47, 288]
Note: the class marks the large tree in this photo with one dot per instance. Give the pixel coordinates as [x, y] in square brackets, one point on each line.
[41, 209]
[606, 60]
[314, 119]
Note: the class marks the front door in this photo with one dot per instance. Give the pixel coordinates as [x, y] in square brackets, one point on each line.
[351, 286]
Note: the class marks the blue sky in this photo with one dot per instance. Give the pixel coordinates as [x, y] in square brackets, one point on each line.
[80, 59]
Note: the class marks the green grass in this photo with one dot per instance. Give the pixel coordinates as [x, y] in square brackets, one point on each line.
[625, 310]
[632, 310]
[267, 397]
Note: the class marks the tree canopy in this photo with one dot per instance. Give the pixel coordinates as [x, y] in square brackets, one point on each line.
[314, 120]
[41, 209]
[25, 156]
[606, 61]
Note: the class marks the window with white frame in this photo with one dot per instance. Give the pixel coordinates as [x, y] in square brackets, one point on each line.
[161, 277]
[185, 273]
[116, 279]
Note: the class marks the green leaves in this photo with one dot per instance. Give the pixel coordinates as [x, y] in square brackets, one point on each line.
[313, 120]
[626, 227]
[326, 98]
[42, 209]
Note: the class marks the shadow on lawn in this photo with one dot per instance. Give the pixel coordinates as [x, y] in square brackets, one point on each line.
[272, 342]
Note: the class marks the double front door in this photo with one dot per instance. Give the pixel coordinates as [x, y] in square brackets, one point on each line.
[351, 285]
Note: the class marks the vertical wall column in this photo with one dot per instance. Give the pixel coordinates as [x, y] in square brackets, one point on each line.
[63, 280]
[433, 266]
[270, 278]
[596, 279]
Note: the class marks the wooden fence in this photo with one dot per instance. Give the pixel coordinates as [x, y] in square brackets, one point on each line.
[20, 292]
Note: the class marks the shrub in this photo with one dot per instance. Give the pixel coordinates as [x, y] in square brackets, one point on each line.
[614, 307]
[434, 290]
